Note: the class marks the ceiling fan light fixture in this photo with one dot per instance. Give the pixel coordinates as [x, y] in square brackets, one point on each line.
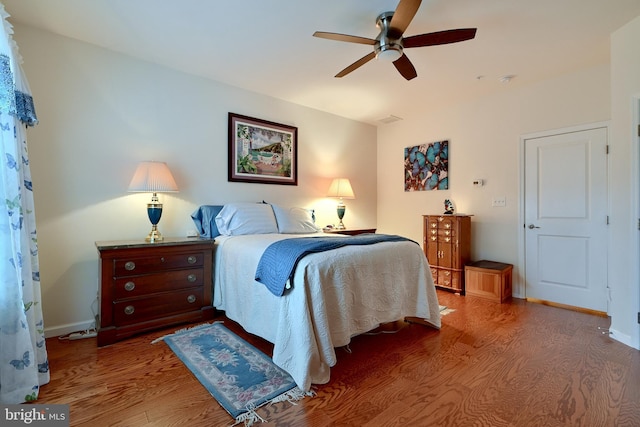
[389, 53]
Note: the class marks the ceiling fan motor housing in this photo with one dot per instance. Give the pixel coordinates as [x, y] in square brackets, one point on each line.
[388, 46]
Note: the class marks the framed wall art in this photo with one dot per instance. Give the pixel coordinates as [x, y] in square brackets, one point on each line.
[262, 152]
[426, 167]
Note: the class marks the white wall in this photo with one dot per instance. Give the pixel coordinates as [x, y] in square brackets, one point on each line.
[101, 112]
[484, 140]
[625, 258]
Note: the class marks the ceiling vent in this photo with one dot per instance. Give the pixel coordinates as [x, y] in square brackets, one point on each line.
[389, 119]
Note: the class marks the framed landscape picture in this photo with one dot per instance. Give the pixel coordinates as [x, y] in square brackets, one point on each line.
[262, 152]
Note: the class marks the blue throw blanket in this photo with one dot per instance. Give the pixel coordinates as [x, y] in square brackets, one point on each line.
[279, 260]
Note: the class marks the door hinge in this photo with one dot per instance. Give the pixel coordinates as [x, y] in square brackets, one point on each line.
[607, 149]
[607, 219]
[639, 317]
[638, 130]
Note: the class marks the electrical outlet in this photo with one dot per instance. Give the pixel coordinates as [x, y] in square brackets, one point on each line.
[499, 202]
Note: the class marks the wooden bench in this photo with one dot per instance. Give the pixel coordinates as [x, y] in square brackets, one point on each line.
[489, 279]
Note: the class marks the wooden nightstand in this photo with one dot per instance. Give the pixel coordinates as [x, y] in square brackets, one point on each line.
[144, 286]
[351, 232]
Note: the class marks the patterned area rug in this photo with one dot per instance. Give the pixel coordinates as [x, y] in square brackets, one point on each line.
[238, 375]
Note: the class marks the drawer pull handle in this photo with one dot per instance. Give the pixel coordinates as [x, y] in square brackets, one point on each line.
[129, 286]
[447, 273]
[128, 310]
[447, 232]
[191, 278]
[191, 259]
[447, 239]
[129, 265]
[191, 299]
[433, 238]
[161, 259]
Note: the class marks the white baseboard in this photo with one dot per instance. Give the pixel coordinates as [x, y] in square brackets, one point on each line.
[57, 331]
[623, 338]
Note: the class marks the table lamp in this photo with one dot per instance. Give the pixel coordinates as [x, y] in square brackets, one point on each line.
[341, 188]
[153, 177]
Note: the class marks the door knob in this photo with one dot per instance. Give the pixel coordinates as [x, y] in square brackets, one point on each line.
[531, 226]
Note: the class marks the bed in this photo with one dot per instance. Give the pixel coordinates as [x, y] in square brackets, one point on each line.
[332, 296]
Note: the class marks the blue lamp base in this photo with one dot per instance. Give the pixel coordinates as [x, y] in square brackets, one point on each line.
[154, 210]
[341, 210]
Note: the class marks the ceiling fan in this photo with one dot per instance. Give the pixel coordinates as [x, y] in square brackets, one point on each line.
[390, 43]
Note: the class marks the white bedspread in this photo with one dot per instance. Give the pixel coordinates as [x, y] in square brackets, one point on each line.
[335, 295]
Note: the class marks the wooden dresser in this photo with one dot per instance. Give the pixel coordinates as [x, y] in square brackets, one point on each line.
[145, 285]
[447, 245]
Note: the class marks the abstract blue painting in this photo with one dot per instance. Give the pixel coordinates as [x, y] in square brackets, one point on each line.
[426, 167]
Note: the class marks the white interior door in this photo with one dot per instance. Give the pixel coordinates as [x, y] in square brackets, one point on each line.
[566, 218]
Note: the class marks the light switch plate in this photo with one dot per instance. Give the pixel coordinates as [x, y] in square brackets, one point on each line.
[499, 202]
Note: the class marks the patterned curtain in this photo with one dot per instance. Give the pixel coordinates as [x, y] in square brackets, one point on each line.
[23, 356]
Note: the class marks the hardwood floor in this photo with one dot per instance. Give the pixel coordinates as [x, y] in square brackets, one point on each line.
[514, 364]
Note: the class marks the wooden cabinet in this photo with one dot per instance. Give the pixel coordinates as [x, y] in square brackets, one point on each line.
[145, 285]
[447, 245]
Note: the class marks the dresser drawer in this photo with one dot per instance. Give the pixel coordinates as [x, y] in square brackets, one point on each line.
[135, 286]
[450, 279]
[141, 265]
[445, 278]
[442, 232]
[158, 305]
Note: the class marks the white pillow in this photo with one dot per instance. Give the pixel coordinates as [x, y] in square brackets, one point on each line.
[246, 218]
[294, 220]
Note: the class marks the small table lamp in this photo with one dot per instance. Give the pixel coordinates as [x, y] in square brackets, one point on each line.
[341, 188]
[153, 177]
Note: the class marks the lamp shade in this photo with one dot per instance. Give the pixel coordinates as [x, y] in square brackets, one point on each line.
[153, 177]
[341, 187]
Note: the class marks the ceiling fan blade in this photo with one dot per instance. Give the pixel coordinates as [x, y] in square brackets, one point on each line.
[344, 38]
[405, 67]
[402, 17]
[439, 37]
[359, 63]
